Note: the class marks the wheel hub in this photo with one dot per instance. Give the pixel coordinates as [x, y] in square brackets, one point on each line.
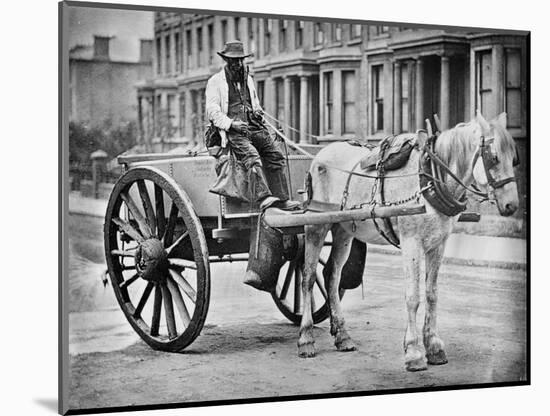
[151, 260]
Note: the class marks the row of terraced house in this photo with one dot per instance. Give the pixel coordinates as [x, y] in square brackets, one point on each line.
[332, 81]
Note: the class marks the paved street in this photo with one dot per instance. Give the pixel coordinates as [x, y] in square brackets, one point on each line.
[248, 349]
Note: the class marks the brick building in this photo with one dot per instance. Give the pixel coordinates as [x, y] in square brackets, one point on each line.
[102, 89]
[328, 81]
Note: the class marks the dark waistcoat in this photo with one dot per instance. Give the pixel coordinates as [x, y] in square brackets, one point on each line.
[239, 101]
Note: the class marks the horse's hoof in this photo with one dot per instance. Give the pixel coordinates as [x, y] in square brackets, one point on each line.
[345, 345]
[306, 350]
[437, 358]
[416, 365]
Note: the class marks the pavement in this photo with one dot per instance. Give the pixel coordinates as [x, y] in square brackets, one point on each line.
[462, 249]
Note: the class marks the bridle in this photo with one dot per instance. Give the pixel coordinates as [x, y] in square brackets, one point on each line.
[433, 171]
[490, 159]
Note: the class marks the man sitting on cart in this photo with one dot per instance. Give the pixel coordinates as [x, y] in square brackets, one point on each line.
[232, 105]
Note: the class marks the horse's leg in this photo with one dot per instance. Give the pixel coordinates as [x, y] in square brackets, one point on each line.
[435, 348]
[341, 247]
[314, 239]
[414, 359]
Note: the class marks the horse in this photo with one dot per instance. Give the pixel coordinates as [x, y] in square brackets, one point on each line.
[478, 152]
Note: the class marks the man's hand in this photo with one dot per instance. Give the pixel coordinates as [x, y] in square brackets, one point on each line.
[258, 115]
[239, 126]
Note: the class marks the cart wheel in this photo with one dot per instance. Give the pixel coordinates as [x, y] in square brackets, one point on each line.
[288, 291]
[157, 258]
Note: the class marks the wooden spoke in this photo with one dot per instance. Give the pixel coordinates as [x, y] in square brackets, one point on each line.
[178, 241]
[159, 205]
[321, 286]
[178, 300]
[147, 206]
[122, 253]
[125, 227]
[144, 299]
[128, 282]
[186, 264]
[187, 288]
[156, 312]
[127, 267]
[297, 288]
[169, 231]
[142, 223]
[169, 312]
[288, 278]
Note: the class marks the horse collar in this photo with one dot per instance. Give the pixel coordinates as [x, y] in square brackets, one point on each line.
[432, 184]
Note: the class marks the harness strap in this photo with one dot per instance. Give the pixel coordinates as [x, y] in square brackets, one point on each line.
[346, 188]
[391, 237]
[442, 166]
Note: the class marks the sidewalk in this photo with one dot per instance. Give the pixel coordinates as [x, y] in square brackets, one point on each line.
[462, 249]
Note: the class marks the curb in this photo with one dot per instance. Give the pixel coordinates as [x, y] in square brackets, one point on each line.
[379, 249]
[457, 261]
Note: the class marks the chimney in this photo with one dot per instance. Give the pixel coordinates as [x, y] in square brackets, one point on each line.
[145, 50]
[101, 47]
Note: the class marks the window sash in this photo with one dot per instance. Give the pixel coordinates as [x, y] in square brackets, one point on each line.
[378, 96]
[329, 107]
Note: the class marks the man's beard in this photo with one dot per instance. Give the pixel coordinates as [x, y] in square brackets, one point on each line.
[237, 74]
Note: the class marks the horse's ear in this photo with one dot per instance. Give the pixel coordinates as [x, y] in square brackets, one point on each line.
[485, 127]
[421, 138]
[501, 119]
[429, 127]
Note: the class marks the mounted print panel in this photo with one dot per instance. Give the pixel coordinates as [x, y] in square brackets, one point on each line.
[267, 207]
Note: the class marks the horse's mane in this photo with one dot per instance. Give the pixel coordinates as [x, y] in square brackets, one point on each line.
[503, 139]
[454, 145]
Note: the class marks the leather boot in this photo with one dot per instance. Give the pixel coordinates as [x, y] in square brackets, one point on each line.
[259, 188]
[279, 188]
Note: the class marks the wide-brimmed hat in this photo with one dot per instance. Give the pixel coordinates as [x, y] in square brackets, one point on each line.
[234, 49]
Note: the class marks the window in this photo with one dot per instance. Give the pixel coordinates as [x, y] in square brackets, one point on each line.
[267, 36]
[299, 35]
[336, 32]
[378, 97]
[210, 43]
[282, 35]
[199, 47]
[224, 32]
[280, 99]
[237, 29]
[159, 55]
[381, 30]
[189, 47]
[404, 97]
[260, 89]
[355, 32]
[329, 108]
[167, 54]
[348, 102]
[484, 82]
[177, 42]
[182, 114]
[512, 75]
[318, 34]
[171, 115]
[158, 116]
[250, 34]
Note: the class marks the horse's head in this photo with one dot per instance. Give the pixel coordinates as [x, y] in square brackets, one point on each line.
[495, 161]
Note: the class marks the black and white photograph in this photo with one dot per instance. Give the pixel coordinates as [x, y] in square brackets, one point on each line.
[262, 207]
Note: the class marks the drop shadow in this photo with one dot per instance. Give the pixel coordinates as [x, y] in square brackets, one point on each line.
[48, 404]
